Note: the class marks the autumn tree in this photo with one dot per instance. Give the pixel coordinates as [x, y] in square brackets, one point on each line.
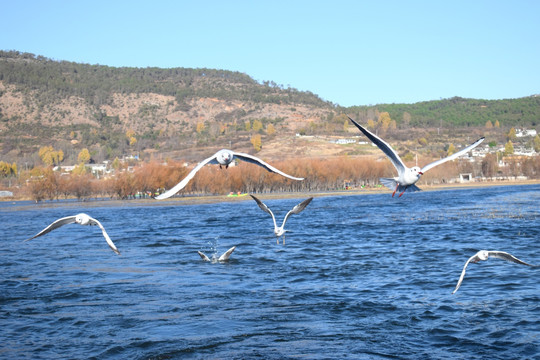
[257, 125]
[451, 150]
[371, 124]
[7, 169]
[270, 129]
[200, 127]
[511, 136]
[489, 125]
[256, 142]
[49, 156]
[508, 148]
[497, 125]
[384, 121]
[536, 143]
[489, 165]
[84, 156]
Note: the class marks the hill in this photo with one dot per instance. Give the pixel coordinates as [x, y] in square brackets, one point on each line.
[189, 113]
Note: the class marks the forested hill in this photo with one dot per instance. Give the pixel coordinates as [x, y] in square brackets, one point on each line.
[460, 112]
[95, 83]
[176, 112]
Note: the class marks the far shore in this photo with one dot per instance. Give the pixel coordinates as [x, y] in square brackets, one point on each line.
[208, 199]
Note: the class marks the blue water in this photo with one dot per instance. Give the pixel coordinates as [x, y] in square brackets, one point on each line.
[360, 277]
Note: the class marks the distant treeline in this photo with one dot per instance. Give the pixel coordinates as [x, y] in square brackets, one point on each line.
[152, 178]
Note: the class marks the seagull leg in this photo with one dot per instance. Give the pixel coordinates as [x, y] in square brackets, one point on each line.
[283, 239]
[402, 192]
[394, 193]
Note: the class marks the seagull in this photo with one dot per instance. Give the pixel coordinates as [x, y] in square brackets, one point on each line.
[225, 257]
[81, 219]
[223, 157]
[484, 255]
[279, 231]
[407, 177]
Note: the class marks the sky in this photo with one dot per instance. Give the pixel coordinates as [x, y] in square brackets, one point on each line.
[346, 52]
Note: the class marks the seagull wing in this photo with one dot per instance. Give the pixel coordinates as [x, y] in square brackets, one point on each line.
[203, 256]
[297, 209]
[185, 181]
[508, 257]
[387, 149]
[107, 238]
[55, 225]
[264, 208]
[453, 156]
[472, 258]
[257, 161]
[227, 254]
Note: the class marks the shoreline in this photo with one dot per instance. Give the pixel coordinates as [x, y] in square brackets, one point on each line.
[210, 199]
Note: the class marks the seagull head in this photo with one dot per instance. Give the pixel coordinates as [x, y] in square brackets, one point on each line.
[417, 171]
[483, 255]
[82, 219]
[224, 157]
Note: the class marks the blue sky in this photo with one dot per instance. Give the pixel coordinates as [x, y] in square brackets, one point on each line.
[347, 52]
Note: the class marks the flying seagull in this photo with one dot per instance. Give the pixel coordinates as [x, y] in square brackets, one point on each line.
[225, 257]
[81, 219]
[223, 158]
[279, 231]
[407, 177]
[484, 255]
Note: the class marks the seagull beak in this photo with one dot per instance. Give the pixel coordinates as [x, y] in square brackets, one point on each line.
[421, 173]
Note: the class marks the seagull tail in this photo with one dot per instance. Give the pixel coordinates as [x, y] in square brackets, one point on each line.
[389, 183]
[392, 184]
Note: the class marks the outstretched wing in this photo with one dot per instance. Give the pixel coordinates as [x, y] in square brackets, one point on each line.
[463, 273]
[297, 209]
[381, 144]
[227, 254]
[453, 156]
[185, 181]
[55, 225]
[254, 160]
[203, 256]
[508, 257]
[264, 208]
[107, 238]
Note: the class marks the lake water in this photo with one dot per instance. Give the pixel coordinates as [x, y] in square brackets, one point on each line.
[360, 277]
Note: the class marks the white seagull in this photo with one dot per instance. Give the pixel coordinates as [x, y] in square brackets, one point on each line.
[223, 158]
[225, 257]
[484, 255]
[279, 231]
[81, 219]
[407, 177]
